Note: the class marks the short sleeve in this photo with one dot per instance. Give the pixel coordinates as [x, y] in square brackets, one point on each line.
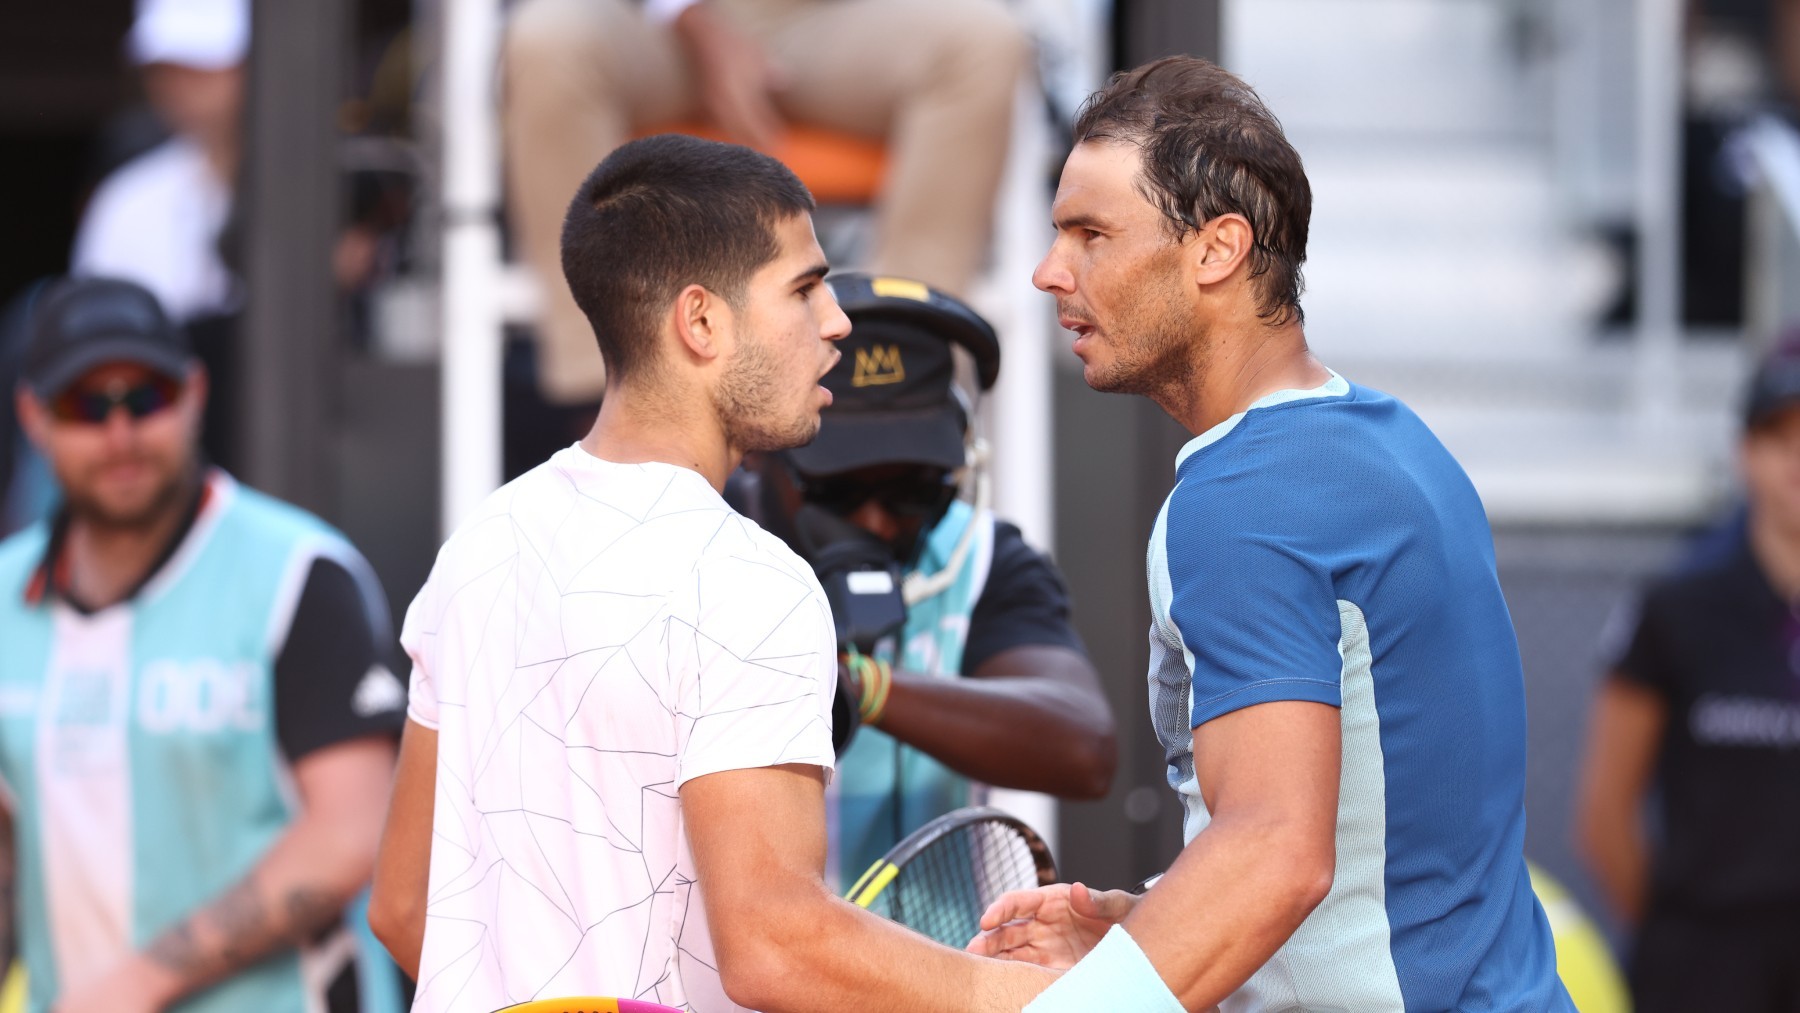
[755, 666]
[420, 647]
[1023, 604]
[332, 676]
[1255, 608]
[1644, 658]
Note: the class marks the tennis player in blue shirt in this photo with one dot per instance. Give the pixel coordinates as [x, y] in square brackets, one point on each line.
[1334, 676]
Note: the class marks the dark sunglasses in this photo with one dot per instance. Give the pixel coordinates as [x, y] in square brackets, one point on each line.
[923, 494]
[90, 405]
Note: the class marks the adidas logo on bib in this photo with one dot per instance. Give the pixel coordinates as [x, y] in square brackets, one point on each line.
[378, 692]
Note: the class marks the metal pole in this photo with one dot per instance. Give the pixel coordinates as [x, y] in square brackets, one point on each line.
[291, 331]
[471, 281]
[1658, 208]
[1020, 411]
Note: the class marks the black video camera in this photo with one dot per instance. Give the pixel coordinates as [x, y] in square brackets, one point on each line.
[862, 583]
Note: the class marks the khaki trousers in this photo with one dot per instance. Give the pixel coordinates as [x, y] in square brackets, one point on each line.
[934, 78]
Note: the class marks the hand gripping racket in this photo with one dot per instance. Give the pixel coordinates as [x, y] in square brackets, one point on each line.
[942, 876]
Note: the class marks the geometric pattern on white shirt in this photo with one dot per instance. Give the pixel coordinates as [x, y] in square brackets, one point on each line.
[596, 636]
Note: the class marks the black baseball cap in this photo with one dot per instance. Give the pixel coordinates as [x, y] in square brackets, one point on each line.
[891, 392]
[81, 323]
[1775, 386]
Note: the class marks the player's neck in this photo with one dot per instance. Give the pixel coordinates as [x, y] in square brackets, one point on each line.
[1243, 364]
[644, 426]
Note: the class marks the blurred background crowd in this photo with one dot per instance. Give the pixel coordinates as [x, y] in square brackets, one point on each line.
[1565, 231]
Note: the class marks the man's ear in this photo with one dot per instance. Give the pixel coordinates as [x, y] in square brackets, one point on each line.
[702, 322]
[1219, 247]
[31, 416]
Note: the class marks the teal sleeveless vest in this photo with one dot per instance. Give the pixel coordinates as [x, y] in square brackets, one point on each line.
[138, 749]
[884, 790]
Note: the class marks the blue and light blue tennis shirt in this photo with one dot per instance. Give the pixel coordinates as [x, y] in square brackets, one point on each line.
[1324, 546]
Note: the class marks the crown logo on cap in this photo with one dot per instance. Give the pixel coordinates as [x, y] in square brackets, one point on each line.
[877, 365]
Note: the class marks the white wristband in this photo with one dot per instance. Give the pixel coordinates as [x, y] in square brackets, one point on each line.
[1115, 975]
[662, 12]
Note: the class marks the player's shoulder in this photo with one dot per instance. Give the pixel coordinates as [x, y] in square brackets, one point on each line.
[751, 594]
[490, 534]
[753, 561]
[1298, 447]
[1343, 421]
[1306, 465]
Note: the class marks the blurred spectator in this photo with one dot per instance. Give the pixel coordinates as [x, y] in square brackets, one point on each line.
[1742, 59]
[1702, 712]
[196, 714]
[975, 670]
[27, 491]
[157, 219]
[935, 78]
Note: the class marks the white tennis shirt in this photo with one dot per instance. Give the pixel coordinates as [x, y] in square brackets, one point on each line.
[595, 637]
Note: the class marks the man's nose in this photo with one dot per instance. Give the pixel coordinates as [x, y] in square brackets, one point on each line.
[1051, 276]
[119, 425]
[835, 326]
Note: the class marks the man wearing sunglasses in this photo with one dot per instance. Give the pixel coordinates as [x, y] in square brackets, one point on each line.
[196, 714]
[985, 679]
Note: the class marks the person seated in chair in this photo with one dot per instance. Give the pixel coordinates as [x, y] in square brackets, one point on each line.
[933, 79]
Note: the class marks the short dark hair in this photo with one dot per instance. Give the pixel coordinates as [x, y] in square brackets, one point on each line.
[662, 213]
[1210, 147]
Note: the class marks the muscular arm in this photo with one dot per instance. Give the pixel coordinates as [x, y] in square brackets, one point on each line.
[1031, 718]
[1623, 736]
[1269, 775]
[302, 882]
[403, 867]
[786, 943]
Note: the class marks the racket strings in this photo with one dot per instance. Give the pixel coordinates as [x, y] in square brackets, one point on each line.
[943, 890]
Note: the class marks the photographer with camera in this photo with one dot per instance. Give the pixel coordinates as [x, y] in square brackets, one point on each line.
[959, 660]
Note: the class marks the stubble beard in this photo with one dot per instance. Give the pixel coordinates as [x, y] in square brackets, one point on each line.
[1159, 350]
[93, 511]
[748, 401]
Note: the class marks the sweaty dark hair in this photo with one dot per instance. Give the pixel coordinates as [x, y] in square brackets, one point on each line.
[662, 213]
[1210, 147]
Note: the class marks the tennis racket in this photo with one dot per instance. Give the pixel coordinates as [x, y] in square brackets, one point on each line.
[588, 1004]
[942, 876]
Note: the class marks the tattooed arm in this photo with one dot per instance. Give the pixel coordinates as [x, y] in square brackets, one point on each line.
[297, 889]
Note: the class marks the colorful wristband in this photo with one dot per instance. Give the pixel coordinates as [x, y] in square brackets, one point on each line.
[1114, 975]
[876, 683]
